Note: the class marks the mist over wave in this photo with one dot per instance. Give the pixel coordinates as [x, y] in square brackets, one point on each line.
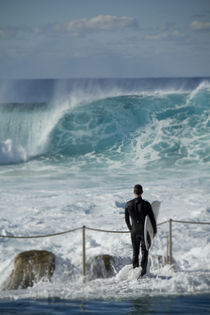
[47, 90]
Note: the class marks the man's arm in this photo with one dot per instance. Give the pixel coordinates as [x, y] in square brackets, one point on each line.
[127, 218]
[152, 218]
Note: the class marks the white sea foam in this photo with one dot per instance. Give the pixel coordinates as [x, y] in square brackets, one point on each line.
[11, 153]
[46, 204]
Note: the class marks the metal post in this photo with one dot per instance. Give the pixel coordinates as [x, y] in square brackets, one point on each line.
[83, 253]
[170, 242]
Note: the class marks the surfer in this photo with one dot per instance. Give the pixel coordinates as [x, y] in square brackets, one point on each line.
[138, 209]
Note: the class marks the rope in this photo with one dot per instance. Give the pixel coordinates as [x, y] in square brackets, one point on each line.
[190, 222]
[40, 236]
[163, 222]
[107, 231]
[91, 229]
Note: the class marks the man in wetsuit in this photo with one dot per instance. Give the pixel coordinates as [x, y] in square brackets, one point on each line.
[138, 209]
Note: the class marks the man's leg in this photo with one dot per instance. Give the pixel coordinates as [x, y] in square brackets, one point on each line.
[144, 259]
[135, 238]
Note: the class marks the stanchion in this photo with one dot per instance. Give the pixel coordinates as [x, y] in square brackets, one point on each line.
[170, 242]
[83, 254]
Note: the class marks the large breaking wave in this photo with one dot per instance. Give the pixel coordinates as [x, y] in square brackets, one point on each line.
[153, 126]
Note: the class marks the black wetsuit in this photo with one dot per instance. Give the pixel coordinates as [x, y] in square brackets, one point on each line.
[138, 209]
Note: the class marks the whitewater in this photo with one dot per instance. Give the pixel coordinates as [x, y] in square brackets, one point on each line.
[71, 152]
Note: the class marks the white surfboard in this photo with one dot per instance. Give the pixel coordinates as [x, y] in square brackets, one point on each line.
[148, 229]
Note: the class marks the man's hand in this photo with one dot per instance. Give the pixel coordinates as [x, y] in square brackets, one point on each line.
[154, 234]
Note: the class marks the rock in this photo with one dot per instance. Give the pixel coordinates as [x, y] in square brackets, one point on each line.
[30, 267]
[101, 266]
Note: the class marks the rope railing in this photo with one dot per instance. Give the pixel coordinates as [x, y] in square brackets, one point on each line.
[84, 228]
[106, 231]
[93, 229]
[190, 222]
[162, 223]
[40, 236]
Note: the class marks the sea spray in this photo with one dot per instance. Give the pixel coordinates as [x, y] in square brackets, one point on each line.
[10, 153]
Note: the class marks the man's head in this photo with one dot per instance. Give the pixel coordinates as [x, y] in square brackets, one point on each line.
[138, 190]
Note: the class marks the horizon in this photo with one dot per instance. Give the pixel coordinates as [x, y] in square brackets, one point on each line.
[107, 78]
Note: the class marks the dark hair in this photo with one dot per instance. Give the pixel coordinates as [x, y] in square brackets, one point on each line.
[138, 190]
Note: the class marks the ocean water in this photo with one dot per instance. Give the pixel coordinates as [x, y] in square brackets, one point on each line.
[70, 153]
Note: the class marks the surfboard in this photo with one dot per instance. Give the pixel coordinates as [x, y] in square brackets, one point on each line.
[148, 229]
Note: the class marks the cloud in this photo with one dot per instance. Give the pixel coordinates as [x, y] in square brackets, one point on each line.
[163, 36]
[157, 36]
[100, 23]
[12, 32]
[200, 26]
[72, 27]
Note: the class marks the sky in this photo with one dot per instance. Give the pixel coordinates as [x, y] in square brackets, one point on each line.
[104, 38]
